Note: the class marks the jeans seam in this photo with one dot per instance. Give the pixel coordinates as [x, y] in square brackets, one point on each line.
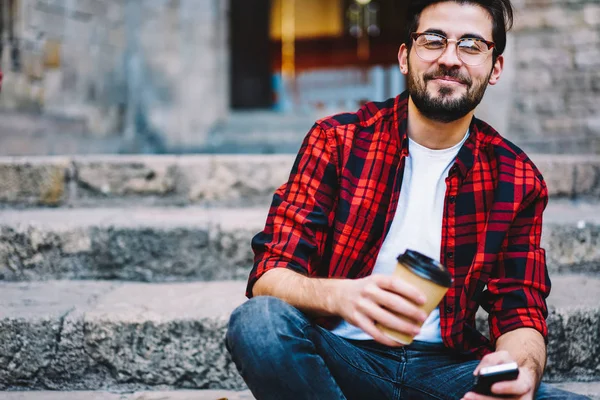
[401, 371]
[356, 366]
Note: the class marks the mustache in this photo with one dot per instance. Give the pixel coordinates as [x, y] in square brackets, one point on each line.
[455, 74]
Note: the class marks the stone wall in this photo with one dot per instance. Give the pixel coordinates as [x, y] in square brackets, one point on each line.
[154, 71]
[556, 88]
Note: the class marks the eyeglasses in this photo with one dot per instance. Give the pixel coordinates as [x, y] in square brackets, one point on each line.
[471, 51]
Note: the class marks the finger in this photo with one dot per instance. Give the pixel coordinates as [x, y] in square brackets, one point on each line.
[369, 327]
[476, 396]
[396, 304]
[497, 358]
[517, 387]
[402, 288]
[374, 312]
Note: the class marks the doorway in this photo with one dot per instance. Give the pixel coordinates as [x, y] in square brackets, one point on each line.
[344, 52]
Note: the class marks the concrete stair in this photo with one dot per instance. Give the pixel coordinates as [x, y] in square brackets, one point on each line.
[82, 335]
[590, 389]
[158, 244]
[259, 132]
[150, 244]
[157, 395]
[118, 273]
[206, 180]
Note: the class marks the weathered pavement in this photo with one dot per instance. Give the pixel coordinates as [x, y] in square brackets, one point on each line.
[70, 335]
[158, 395]
[158, 244]
[591, 389]
[208, 180]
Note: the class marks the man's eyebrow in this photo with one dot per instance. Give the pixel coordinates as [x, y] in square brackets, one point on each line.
[437, 31]
[464, 36]
[472, 36]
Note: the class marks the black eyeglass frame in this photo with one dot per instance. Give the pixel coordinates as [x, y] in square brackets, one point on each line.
[491, 45]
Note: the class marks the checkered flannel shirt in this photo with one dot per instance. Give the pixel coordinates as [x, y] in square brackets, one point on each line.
[331, 217]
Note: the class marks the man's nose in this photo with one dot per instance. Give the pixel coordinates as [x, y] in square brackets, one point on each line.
[449, 57]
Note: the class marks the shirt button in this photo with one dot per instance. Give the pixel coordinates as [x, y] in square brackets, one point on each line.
[450, 255]
[452, 199]
[449, 309]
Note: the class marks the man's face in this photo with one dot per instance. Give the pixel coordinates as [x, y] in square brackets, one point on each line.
[447, 89]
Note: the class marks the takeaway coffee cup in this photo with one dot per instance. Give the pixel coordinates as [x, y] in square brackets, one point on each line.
[428, 275]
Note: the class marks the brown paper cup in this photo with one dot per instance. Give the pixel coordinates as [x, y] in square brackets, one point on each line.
[427, 275]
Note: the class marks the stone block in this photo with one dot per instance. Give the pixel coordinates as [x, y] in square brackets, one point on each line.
[587, 179]
[136, 176]
[591, 14]
[554, 16]
[552, 59]
[33, 181]
[571, 248]
[245, 179]
[141, 245]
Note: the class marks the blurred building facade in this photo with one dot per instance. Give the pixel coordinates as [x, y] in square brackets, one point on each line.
[234, 75]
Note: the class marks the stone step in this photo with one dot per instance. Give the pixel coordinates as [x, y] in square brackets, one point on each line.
[97, 335]
[194, 243]
[590, 389]
[259, 132]
[150, 244]
[208, 180]
[157, 395]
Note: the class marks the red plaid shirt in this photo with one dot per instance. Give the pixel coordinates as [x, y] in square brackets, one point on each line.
[331, 217]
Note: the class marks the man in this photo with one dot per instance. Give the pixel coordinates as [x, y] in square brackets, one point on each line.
[417, 172]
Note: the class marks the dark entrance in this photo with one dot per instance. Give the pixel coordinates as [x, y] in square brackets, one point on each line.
[323, 42]
[249, 28]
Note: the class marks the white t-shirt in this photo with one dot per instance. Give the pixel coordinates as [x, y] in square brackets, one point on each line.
[417, 224]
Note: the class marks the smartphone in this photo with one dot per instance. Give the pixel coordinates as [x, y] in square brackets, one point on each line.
[498, 373]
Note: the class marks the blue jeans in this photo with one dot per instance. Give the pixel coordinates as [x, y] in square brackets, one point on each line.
[281, 354]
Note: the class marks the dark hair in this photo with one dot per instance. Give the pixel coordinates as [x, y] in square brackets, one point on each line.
[501, 11]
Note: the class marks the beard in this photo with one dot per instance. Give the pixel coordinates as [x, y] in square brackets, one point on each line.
[444, 108]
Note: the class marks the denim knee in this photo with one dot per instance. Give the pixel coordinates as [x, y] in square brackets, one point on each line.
[262, 321]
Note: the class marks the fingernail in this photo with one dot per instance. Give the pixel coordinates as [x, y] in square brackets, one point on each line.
[417, 331]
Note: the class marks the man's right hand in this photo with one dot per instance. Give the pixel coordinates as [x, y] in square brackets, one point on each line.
[376, 298]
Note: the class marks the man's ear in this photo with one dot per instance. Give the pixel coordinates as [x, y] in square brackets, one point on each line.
[497, 70]
[403, 59]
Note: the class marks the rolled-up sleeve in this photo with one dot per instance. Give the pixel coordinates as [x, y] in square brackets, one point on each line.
[517, 291]
[296, 229]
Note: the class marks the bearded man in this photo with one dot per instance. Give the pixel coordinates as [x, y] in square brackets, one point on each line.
[416, 172]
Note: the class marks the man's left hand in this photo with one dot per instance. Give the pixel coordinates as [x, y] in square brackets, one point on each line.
[523, 388]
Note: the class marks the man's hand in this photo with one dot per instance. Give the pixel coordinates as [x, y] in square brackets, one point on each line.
[523, 388]
[376, 298]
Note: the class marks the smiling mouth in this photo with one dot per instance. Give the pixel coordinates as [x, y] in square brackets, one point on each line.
[446, 79]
